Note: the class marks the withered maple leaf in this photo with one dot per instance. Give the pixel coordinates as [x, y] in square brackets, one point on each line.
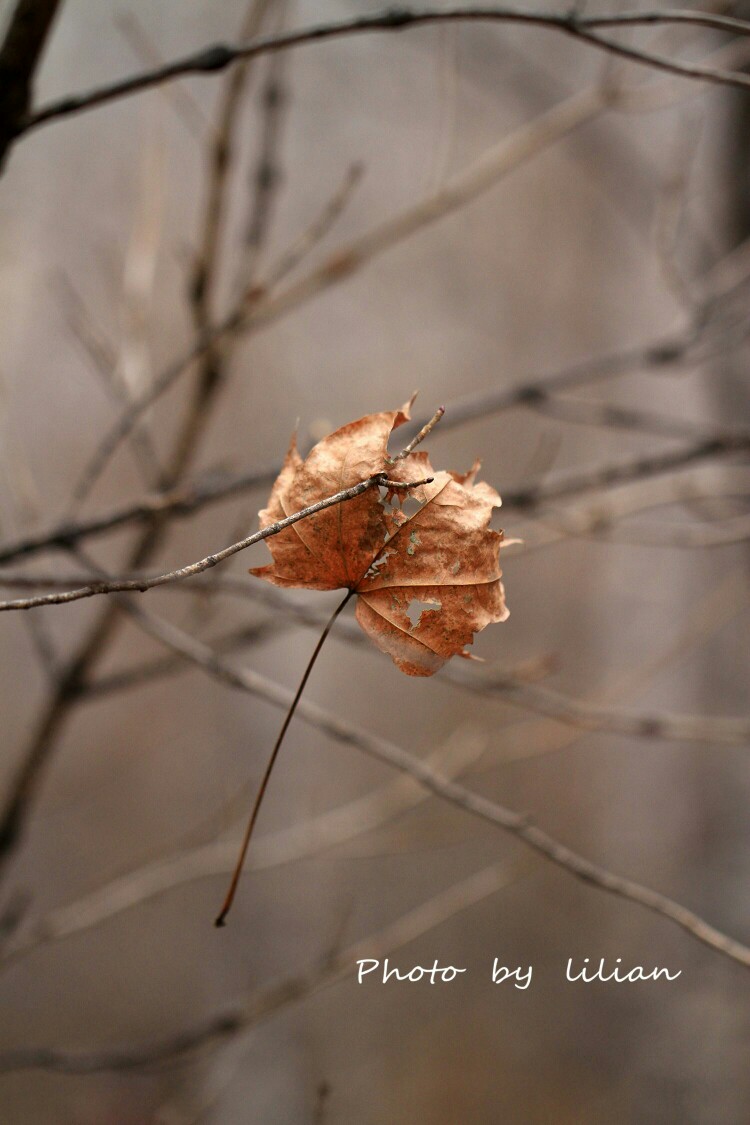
[425, 582]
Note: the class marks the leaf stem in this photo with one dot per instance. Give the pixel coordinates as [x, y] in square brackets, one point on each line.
[227, 904]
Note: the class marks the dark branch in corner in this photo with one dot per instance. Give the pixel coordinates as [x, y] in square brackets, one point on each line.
[20, 54]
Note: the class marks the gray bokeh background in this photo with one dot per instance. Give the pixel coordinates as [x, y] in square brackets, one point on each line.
[560, 262]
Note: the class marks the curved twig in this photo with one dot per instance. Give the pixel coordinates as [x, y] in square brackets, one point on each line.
[218, 57]
[126, 585]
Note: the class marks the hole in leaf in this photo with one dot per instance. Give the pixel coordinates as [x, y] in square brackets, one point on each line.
[416, 608]
[374, 568]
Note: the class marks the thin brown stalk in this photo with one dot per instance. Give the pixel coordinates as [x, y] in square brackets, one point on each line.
[229, 899]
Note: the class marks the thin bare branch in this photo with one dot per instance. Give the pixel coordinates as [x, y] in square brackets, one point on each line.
[258, 309]
[610, 416]
[511, 686]
[146, 52]
[179, 502]
[140, 585]
[516, 824]
[267, 175]
[602, 516]
[653, 725]
[332, 829]
[418, 439]
[193, 496]
[649, 465]
[318, 228]
[218, 57]
[106, 363]
[599, 522]
[260, 1005]
[148, 671]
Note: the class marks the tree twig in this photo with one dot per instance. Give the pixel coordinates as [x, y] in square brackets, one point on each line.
[332, 829]
[264, 1003]
[149, 583]
[193, 496]
[516, 824]
[574, 482]
[218, 57]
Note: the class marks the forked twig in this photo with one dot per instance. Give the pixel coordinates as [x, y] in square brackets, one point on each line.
[420, 437]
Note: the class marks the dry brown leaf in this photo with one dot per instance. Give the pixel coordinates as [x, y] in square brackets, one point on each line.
[425, 582]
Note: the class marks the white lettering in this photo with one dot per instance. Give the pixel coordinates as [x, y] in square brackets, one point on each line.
[501, 973]
[361, 971]
[434, 974]
[620, 976]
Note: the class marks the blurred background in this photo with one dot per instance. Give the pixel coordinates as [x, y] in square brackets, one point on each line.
[462, 209]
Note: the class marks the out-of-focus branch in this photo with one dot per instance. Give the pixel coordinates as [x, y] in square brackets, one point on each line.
[147, 53]
[652, 725]
[218, 57]
[266, 176]
[107, 365]
[217, 1029]
[516, 824]
[602, 517]
[598, 477]
[259, 308]
[53, 716]
[178, 502]
[331, 829]
[600, 521]
[211, 367]
[529, 497]
[508, 685]
[20, 54]
[193, 496]
[318, 228]
[607, 415]
[148, 671]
